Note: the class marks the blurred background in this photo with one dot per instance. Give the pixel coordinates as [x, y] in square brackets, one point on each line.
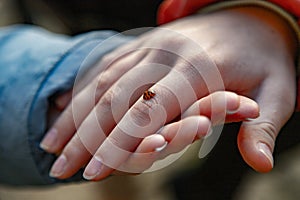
[221, 175]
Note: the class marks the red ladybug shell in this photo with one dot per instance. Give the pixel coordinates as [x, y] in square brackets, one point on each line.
[148, 95]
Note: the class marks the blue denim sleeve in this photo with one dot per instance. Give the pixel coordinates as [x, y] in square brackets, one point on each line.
[35, 65]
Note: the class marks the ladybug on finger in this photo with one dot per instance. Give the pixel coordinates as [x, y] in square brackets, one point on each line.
[148, 94]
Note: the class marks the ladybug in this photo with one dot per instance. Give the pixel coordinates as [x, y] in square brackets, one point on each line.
[148, 95]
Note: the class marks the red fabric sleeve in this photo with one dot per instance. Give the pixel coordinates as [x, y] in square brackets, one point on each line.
[173, 9]
[170, 10]
[291, 6]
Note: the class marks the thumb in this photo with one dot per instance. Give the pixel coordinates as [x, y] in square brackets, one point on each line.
[256, 138]
[256, 143]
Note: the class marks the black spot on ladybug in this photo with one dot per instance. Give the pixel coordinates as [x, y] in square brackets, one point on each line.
[148, 95]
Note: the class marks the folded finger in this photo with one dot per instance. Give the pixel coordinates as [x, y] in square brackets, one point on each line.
[171, 139]
[223, 106]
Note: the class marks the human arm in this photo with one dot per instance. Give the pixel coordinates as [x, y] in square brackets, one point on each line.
[241, 46]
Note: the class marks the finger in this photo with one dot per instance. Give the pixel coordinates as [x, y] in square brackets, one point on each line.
[144, 156]
[96, 126]
[116, 102]
[224, 104]
[65, 165]
[63, 100]
[77, 153]
[146, 116]
[172, 138]
[248, 110]
[183, 133]
[65, 126]
[256, 139]
[151, 143]
[237, 108]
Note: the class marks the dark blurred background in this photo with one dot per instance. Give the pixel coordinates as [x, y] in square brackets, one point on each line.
[221, 175]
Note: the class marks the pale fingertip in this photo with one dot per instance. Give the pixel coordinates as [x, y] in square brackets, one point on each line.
[264, 149]
[159, 149]
[49, 140]
[231, 112]
[151, 143]
[205, 127]
[209, 133]
[93, 169]
[249, 119]
[59, 167]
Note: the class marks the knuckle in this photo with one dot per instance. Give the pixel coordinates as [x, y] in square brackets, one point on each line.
[191, 76]
[270, 129]
[190, 71]
[141, 113]
[107, 59]
[115, 143]
[102, 84]
[106, 100]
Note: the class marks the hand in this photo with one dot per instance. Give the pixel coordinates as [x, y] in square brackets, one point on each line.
[249, 61]
[172, 138]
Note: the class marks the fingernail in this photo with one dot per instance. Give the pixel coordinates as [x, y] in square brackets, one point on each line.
[231, 108]
[249, 119]
[231, 112]
[49, 140]
[93, 169]
[263, 148]
[159, 149]
[59, 166]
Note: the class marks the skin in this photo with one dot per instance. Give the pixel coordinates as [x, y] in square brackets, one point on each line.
[195, 125]
[249, 51]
